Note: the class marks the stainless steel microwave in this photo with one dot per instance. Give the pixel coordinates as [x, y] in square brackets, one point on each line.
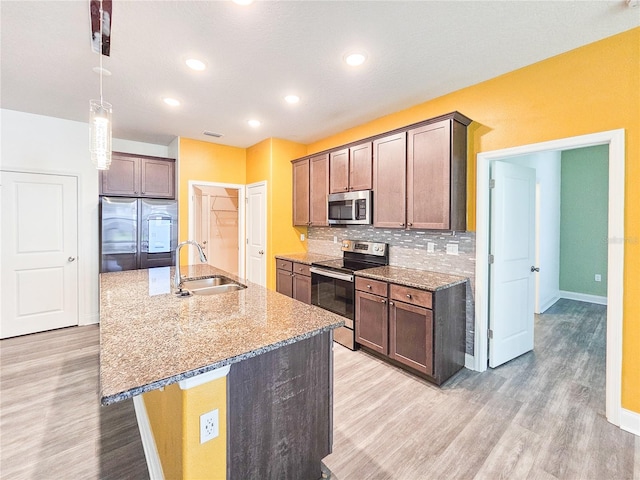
[351, 208]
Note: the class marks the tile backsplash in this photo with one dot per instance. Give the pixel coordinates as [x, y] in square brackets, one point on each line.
[411, 249]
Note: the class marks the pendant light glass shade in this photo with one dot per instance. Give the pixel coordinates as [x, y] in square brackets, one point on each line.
[100, 133]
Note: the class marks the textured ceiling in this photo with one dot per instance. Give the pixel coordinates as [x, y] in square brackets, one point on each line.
[256, 55]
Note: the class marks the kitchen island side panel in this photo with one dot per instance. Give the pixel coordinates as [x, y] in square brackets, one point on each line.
[280, 412]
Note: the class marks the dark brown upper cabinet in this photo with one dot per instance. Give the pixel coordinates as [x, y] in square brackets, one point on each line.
[138, 176]
[310, 190]
[351, 169]
[390, 181]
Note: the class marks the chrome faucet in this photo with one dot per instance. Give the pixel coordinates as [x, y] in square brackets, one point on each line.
[203, 258]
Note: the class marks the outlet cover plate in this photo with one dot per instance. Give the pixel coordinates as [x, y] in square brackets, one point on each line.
[431, 247]
[209, 426]
[452, 249]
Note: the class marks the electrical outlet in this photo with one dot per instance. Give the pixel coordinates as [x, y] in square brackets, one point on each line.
[208, 426]
[598, 277]
[302, 237]
[431, 247]
[335, 239]
[452, 249]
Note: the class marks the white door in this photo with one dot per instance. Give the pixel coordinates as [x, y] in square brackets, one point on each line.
[257, 233]
[39, 250]
[200, 234]
[512, 282]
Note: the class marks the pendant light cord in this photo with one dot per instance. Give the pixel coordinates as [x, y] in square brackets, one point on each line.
[100, 51]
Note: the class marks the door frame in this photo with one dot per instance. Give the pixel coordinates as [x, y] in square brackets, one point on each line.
[615, 139]
[241, 219]
[262, 183]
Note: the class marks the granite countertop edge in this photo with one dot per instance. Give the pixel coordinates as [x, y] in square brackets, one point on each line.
[127, 394]
[451, 281]
[304, 258]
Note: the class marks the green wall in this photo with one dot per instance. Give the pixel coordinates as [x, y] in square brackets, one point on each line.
[583, 219]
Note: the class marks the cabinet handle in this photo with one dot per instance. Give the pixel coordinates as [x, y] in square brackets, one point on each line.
[346, 188]
[409, 224]
[391, 303]
[402, 224]
[135, 192]
[408, 295]
[368, 286]
[383, 301]
[142, 193]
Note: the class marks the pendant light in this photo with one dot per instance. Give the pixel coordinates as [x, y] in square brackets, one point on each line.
[100, 121]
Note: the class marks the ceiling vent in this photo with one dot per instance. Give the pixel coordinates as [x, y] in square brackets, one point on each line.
[212, 134]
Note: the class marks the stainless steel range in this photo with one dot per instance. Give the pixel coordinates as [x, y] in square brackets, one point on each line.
[333, 285]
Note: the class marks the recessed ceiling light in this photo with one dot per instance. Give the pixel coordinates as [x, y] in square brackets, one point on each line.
[292, 98]
[195, 64]
[102, 70]
[243, 2]
[254, 123]
[171, 101]
[355, 59]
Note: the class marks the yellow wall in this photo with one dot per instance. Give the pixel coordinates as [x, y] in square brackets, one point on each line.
[174, 415]
[591, 89]
[270, 161]
[207, 162]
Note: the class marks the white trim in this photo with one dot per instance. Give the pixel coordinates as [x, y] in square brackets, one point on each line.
[203, 378]
[615, 139]
[544, 306]
[583, 297]
[241, 220]
[630, 421]
[89, 319]
[148, 441]
[469, 361]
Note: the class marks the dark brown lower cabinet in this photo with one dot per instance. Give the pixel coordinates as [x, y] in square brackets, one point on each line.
[415, 329]
[372, 321]
[411, 336]
[293, 280]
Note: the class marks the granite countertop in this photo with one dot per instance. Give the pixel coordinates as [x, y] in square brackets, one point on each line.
[305, 257]
[422, 279]
[150, 338]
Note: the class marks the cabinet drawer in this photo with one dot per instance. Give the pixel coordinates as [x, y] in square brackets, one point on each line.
[372, 286]
[301, 269]
[284, 265]
[410, 295]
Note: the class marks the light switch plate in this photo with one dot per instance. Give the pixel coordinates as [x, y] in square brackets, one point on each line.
[335, 239]
[302, 237]
[598, 277]
[452, 249]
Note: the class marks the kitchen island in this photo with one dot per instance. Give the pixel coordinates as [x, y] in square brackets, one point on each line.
[257, 364]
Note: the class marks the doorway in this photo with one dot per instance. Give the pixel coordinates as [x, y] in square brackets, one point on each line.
[216, 222]
[615, 252]
[257, 233]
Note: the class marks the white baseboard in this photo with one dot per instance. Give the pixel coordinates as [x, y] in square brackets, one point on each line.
[469, 361]
[548, 303]
[583, 297]
[90, 319]
[630, 421]
[148, 441]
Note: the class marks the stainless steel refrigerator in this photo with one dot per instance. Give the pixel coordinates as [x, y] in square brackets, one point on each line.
[137, 233]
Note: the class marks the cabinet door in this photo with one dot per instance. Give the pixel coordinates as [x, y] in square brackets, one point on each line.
[429, 176]
[157, 178]
[339, 171]
[301, 192]
[122, 178]
[302, 288]
[372, 322]
[319, 189]
[284, 282]
[360, 167]
[389, 181]
[411, 336]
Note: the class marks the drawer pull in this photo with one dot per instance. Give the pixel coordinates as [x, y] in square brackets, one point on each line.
[408, 295]
[383, 301]
[368, 286]
[391, 303]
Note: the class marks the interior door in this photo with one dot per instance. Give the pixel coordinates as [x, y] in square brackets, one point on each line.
[39, 250]
[257, 233]
[512, 283]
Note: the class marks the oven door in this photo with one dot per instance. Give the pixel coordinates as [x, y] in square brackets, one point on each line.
[333, 291]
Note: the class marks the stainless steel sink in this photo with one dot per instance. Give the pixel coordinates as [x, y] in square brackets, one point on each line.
[211, 285]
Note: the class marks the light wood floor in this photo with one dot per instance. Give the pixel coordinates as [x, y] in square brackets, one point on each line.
[539, 416]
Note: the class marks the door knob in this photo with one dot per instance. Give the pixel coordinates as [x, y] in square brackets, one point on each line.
[71, 259]
[261, 252]
[535, 269]
[204, 242]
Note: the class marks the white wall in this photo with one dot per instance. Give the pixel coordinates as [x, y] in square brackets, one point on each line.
[35, 143]
[547, 167]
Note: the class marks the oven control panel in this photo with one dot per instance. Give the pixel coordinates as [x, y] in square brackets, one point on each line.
[360, 246]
